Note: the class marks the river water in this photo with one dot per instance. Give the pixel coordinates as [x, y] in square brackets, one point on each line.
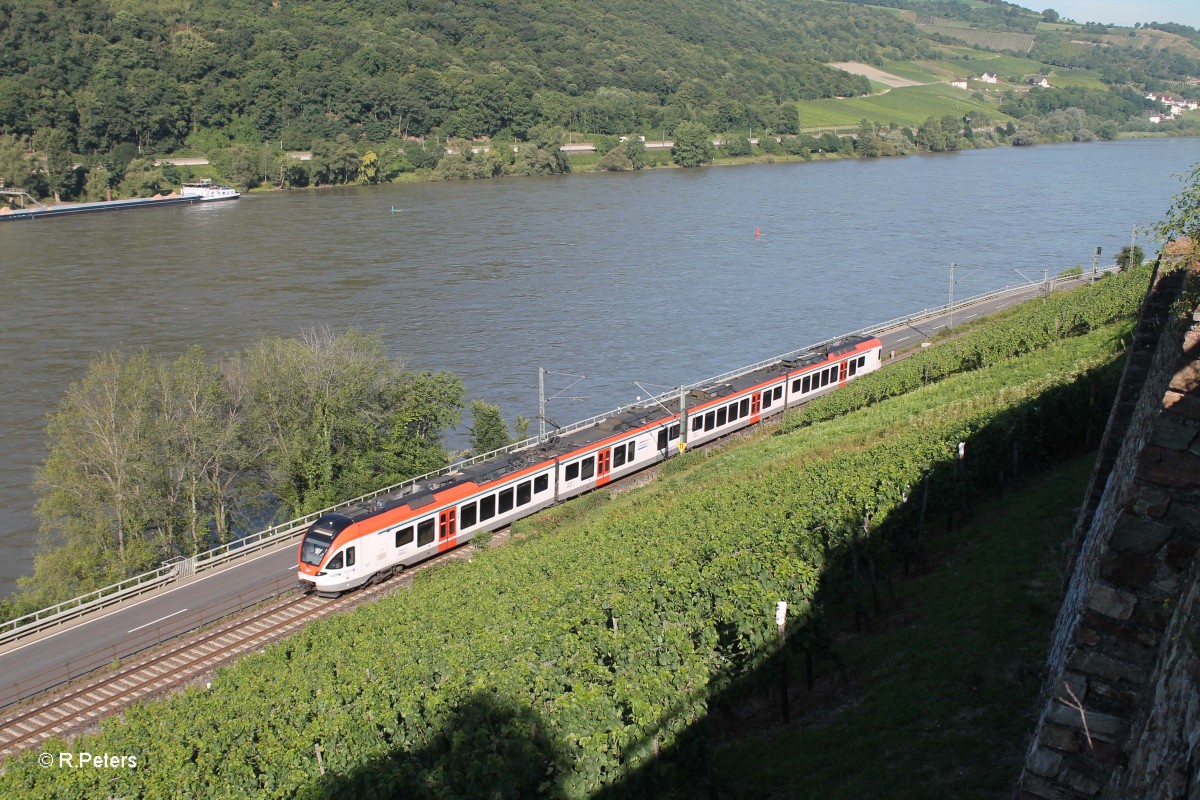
[660, 277]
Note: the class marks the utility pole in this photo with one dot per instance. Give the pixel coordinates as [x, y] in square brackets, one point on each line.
[1132, 246]
[952, 267]
[541, 404]
[1096, 265]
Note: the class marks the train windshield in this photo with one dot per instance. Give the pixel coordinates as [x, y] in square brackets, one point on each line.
[314, 548]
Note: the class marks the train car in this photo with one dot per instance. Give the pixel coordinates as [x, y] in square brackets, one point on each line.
[373, 539]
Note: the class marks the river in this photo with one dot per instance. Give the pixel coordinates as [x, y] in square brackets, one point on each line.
[658, 277]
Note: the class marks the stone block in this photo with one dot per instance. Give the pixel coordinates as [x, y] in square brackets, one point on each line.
[1183, 405]
[1083, 784]
[1184, 518]
[1077, 682]
[1169, 467]
[1178, 554]
[1140, 536]
[1035, 787]
[1064, 738]
[1086, 636]
[1174, 433]
[1044, 762]
[1128, 569]
[1148, 500]
[1105, 727]
[1186, 378]
[1111, 601]
[1110, 669]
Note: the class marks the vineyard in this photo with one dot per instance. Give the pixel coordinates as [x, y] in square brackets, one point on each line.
[582, 657]
[1029, 327]
[994, 41]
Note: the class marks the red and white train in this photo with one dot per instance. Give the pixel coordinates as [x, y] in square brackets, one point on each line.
[375, 538]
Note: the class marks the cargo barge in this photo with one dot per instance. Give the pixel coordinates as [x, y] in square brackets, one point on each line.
[203, 191]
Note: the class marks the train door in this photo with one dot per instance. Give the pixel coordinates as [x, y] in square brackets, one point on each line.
[842, 372]
[755, 407]
[603, 466]
[447, 529]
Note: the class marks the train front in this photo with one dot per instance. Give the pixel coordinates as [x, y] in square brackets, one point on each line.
[315, 547]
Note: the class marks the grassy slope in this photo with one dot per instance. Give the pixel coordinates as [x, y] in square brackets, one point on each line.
[941, 698]
[910, 106]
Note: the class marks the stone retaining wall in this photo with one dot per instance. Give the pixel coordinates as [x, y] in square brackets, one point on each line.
[1121, 708]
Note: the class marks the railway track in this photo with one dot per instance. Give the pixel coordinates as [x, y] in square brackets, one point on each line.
[66, 713]
[71, 711]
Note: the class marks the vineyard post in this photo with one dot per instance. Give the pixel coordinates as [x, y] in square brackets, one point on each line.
[964, 493]
[781, 627]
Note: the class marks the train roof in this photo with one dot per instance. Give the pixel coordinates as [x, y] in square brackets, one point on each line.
[424, 492]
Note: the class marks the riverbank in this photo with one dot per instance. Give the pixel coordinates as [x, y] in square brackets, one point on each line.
[583, 163]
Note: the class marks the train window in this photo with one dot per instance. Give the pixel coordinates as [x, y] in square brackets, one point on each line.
[766, 399]
[506, 500]
[674, 432]
[733, 411]
[335, 562]
[404, 536]
[349, 556]
[806, 386]
[572, 471]
[697, 422]
[722, 415]
[487, 507]
[862, 361]
[744, 407]
[853, 366]
[662, 439]
[618, 456]
[825, 377]
[778, 392]
[630, 449]
[795, 385]
[589, 468]
[424, 532]
[710, 420]
[524, 493]
[541, 483]
[468, 516]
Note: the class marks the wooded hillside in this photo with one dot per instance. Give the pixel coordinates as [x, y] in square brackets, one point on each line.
[149, 73]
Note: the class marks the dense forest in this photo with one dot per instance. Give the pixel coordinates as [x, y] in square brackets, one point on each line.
[108, 80]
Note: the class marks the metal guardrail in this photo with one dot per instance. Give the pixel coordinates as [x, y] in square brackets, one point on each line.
[68, 610]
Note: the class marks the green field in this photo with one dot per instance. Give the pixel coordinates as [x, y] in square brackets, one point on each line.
[909, 106]
[916, 71]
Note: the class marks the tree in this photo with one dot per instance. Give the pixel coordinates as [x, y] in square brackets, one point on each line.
[1050, 15]
[736, 146]
[14, 166]
[693, 145]
[1182, 223]
[98, 183]
[95, 498]
[489, 431]
[51, 147]
[1130, 256]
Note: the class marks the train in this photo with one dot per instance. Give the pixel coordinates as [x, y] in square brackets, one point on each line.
[375, 538]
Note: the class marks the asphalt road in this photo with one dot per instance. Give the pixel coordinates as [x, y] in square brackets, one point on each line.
[49, 658]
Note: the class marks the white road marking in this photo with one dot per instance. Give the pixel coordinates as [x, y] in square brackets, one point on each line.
[160, 619]
[903, 338]
[119, 608]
